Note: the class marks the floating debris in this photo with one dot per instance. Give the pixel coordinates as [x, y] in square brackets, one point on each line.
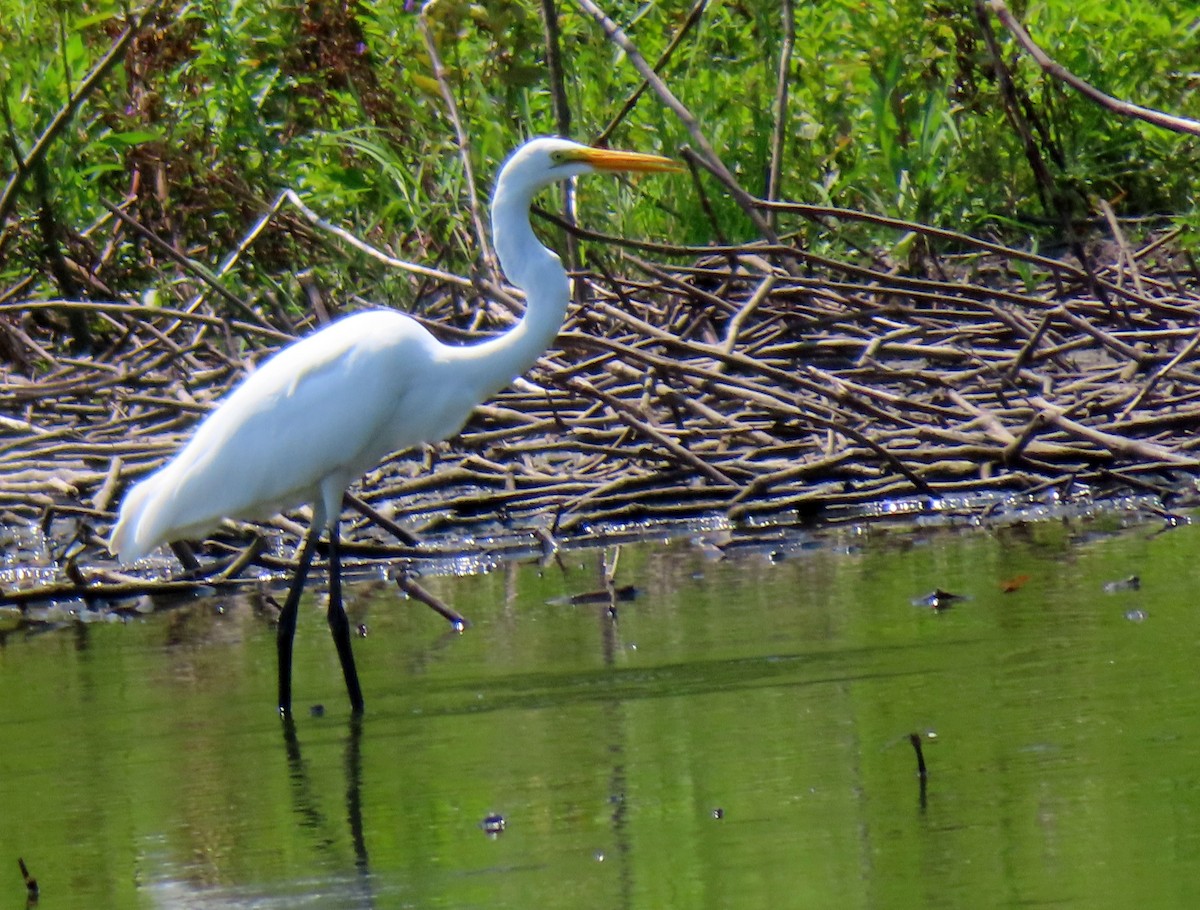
[493, 825]
[1016, 583]
[938, 599]
[623, 593]
[1132, 583]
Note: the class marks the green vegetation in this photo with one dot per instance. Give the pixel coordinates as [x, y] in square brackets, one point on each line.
[216, 107]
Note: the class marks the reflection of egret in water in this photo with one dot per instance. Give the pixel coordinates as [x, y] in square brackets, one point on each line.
[313, 819]
[918, 739]
[355, 890]
[339, 878]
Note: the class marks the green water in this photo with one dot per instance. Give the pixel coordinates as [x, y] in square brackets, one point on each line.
[737, 738]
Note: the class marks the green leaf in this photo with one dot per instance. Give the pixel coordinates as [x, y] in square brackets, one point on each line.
[133, 137]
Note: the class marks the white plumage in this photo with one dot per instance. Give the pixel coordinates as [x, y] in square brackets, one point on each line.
[300, 429]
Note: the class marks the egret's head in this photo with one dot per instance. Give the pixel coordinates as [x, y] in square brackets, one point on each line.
[540, 162]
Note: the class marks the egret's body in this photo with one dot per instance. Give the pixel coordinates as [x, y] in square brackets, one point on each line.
[315, 416]
[301, 428]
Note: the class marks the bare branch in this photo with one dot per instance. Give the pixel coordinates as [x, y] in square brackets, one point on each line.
[782, 80]
[60, 121]
[1062, 74]
[689, 22]
[464, 143]
[706, 155]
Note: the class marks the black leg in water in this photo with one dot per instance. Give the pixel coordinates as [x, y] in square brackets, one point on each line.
[286, 633]
[339, 625]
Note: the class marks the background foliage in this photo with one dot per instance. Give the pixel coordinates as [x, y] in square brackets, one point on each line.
[893, 108]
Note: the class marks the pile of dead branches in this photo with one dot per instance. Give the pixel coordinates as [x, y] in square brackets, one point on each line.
[755, 383]
[764, 382]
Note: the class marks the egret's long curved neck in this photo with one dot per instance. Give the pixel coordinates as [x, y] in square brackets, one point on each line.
[535, 270]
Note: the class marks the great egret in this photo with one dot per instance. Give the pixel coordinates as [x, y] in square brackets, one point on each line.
[320, 412]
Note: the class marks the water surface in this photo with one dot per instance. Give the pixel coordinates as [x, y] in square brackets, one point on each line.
[736, 737]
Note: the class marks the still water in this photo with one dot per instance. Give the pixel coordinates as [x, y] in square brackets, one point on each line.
[737, 737]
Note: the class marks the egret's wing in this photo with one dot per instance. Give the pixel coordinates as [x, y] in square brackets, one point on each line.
[320, 411]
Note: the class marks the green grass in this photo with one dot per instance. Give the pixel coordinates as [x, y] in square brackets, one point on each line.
[893, 109]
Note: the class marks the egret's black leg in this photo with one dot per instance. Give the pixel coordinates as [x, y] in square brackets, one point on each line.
[287, 619]
[339, 625]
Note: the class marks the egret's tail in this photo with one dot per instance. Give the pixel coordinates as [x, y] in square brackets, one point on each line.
[133, 534]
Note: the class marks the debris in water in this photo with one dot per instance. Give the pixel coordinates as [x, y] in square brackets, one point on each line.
[548, 544]
[624, 593]
[938, 599]
[1132, 583]
[409, 586]
[1016, 583]
[493, 825]
[11, 618]
[1137, 615]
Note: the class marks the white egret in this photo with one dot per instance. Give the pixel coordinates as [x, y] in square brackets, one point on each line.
[317, 414]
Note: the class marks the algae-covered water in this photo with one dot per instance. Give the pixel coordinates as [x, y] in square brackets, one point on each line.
[736, 736]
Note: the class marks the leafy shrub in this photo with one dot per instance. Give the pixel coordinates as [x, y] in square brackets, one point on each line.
[894, 108]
